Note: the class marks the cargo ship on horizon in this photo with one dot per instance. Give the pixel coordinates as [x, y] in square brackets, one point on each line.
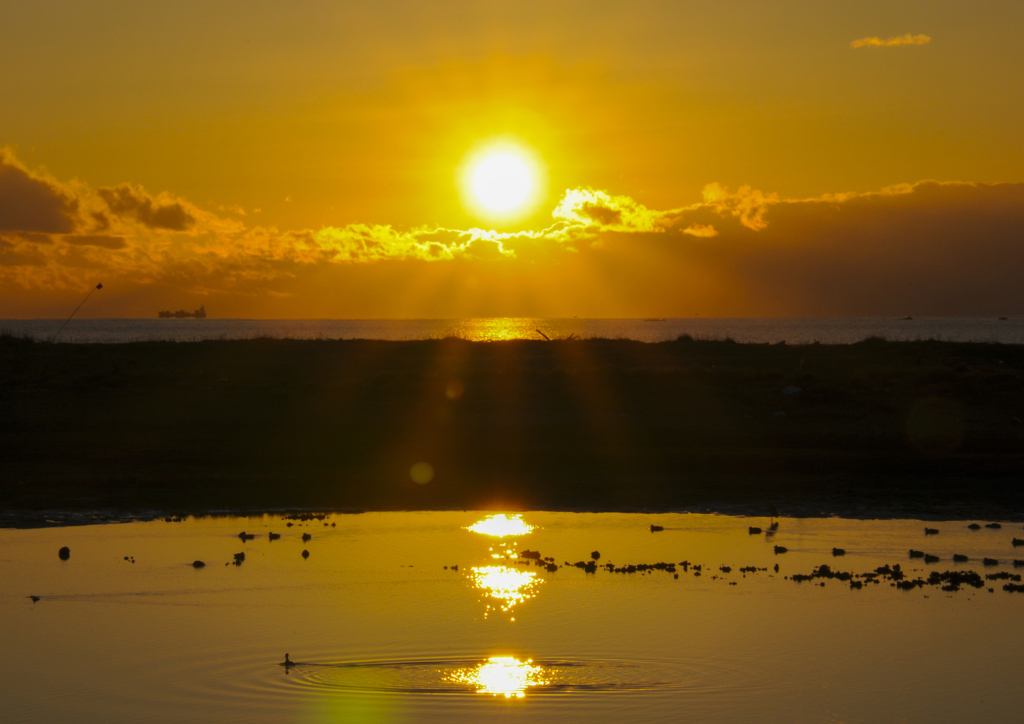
[182, 314]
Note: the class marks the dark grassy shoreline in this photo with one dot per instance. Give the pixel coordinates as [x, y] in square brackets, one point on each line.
[893, 429]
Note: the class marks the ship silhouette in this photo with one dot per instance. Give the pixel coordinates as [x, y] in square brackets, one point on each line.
[182, 314]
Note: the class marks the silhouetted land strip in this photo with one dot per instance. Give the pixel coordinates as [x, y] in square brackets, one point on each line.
[875, 428]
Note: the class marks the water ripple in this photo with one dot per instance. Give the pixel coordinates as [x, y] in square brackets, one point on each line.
[508, 676]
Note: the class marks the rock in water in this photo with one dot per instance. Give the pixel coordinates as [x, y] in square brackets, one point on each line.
[64, 553]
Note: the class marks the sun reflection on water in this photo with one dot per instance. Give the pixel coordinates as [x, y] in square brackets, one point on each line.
[502, 525]
[502, 676]
[507, 585]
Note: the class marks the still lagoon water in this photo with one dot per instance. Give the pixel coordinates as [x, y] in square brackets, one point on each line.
[437, 616]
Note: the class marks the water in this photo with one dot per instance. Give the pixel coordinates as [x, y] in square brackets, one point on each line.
[384, 632]
[793, 331]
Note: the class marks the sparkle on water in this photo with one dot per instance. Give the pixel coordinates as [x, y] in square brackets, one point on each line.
[508, 586]
[502, 525]
[502, 676]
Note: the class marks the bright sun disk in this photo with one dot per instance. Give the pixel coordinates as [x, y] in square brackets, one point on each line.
[501, 182]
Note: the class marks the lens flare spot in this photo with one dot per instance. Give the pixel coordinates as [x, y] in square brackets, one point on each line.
[421, 473]
[502, 525]
[502, 676]
[454, 390]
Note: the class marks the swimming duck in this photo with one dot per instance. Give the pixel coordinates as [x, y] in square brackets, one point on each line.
[287, 662]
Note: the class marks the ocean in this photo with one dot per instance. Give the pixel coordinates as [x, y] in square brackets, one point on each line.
[754, 330]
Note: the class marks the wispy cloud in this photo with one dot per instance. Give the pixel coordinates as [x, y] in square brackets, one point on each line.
[907, 39]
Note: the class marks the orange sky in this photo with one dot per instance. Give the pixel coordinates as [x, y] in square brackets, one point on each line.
[301, 160]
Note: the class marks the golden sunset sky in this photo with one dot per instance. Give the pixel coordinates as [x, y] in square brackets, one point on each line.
[308, 159]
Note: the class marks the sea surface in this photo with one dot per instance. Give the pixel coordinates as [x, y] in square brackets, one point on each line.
[384, 628]
[845, 330]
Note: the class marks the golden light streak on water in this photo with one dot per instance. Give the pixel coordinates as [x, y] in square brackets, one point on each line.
[502, 525]
[502, 676]
[507, 585]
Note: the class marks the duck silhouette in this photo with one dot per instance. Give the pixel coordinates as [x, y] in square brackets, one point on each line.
[287, 662]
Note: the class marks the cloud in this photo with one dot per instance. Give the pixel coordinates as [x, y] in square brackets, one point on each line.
[747, 204]
[32, 202]
[127, 200]
[106, 242]
[907, 39]
[704, 231]
[597, 209]
[923, 248]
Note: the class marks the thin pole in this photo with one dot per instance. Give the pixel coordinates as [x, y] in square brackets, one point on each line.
[98, 286]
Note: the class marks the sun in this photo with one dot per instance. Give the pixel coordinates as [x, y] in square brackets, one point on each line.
[501, 181]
